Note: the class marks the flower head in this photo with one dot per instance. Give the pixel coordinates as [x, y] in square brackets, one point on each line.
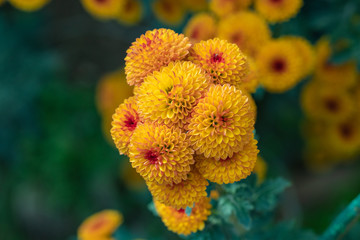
[222, 60]
[28, 5]
[160, 153]
[250, 35]
[201, 26]
[103, 9]
[221, 123]
[278, 10]
[179, 222]
[170, 12]
[183, 194]
[169, 96]
[279, 66]
[130, 12]
[225, 7]
[125, 121]
[230, 169]
[153, 50]
[100, 225]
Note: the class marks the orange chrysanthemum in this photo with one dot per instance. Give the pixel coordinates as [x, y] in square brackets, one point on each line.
[28, 5]
[250, 35]
[221, 123]
[103, 9]
[279, 66]
[168, 96]
[100, 225]
[170, 12]
[278, 10]
[160, 153]
[125, 121]
[222, 60]
[130, 12]
[225, 7]
[230, 169]
[200, 27]
[179, 222]
[153, 50]
[183, 194]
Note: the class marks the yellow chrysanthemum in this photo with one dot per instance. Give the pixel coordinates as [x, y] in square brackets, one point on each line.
[230, 169]
[153, 50]
[170, 12]
[222, 60]
[160, 153]
[169, 96]
[100, 225]
[195, 5]
[130, 12]
[221, 123]
[125, 121]
[341, 75]
[103, 9]
[305, 51]
[278, 10]
[179, 222]
[28, 5]
[183, 194]
[260, 169]
[131, 178]
[279, 66]
[225, 7]
[326, 103]
[251, 81]
[200, 27]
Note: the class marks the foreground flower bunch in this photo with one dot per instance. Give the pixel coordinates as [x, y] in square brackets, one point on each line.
[189, 122]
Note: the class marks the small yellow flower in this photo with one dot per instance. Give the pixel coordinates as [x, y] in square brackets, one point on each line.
[251, 81]
[183, 194]
[153, 50]
[230, 169]
[131, 12]
[169, 96]
[222, 122]
[28, 5]
[179, 222]
[341, 75]
[278, 10]
[125, 121]
[170, 12]
[225, 7]
[103, 9]
[260, 169]
[201, 26]
[100, 225]
[222, 60]
[160, 153]
[279, 66]
[250, 35]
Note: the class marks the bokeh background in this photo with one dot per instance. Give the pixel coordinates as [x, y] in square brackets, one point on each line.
[57, 163]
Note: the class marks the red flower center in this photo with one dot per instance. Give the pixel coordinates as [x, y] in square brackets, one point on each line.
[130, 122]
[279, 65]
[332, 105]
[181, 210]
[98, 223]
[152, 156]
[275, 1]
[100, 1]
[236, 38]
[215, 58]
[346, 131]
[195, 33]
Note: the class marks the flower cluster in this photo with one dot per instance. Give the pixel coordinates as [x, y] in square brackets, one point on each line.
[189, 122]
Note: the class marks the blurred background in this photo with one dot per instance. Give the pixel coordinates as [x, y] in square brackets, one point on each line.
[61, 78]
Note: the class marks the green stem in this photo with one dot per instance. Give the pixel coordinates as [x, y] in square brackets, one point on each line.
[343, 221]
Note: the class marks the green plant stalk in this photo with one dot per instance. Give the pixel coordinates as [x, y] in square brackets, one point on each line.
[343, 221]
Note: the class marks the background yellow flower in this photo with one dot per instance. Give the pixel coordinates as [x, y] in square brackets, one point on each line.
[28, 5]
[201, 26]
[103, 9]
[131, 12]
[278, 10]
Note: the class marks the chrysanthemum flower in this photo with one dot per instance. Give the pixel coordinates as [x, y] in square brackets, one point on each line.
[170, 12]
[341, 75]
[169, 96]
[153, 50]
[200, 27]
[103, 9]
[195, 5]
[221, 123]
[179, 222]
[125, 121]
[160, 153]
[183, 194]
[222, 60]
[326, 103]
[278, 10]
[250, 35]
[28, 5]
[279, 66]
[230, 169]
[225, 7]
[130, 12]
[260, 169]
[100, 225]
[251, 81]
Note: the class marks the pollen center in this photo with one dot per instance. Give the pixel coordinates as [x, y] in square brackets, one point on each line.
[130, 123]
[346, 131]
[152, 156]
[332, 105]
[215, 58]
[279, 65]
[97, 224]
